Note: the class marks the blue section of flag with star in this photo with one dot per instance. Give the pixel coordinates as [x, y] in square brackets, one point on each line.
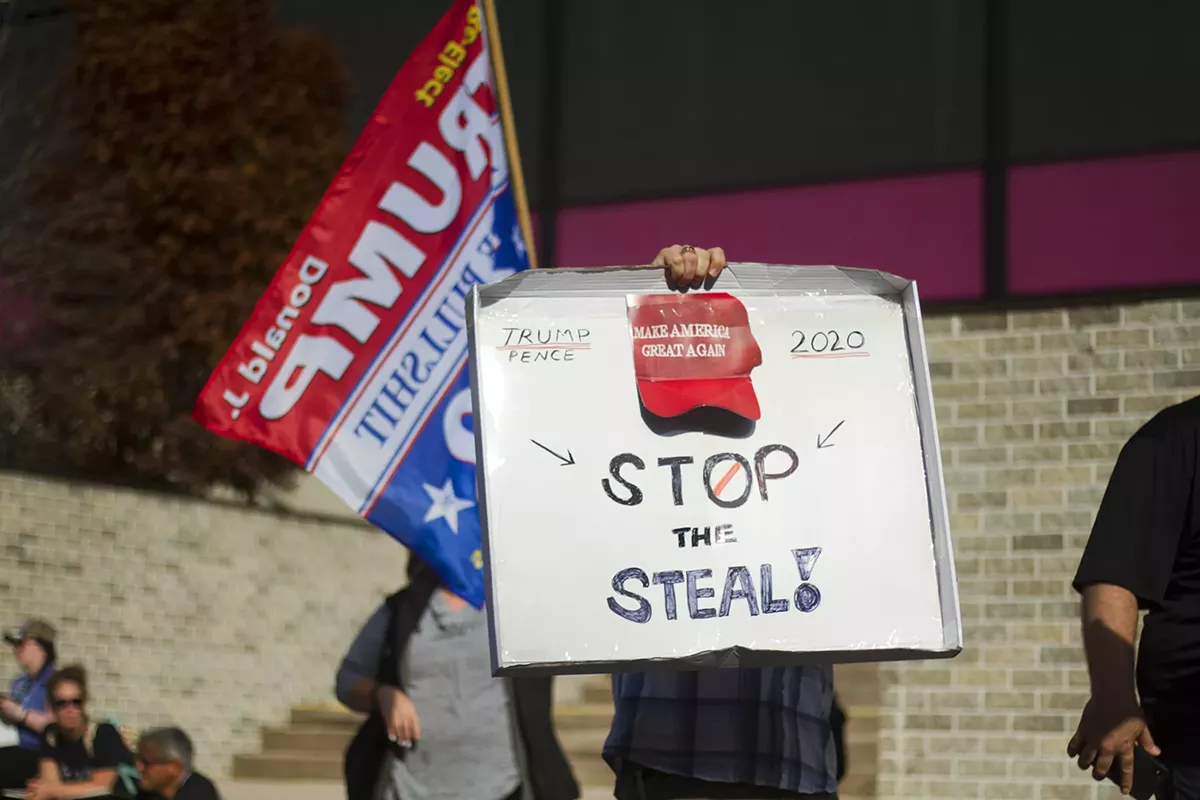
[430, 503]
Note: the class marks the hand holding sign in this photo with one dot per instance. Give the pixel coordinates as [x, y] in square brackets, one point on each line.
[689, 266]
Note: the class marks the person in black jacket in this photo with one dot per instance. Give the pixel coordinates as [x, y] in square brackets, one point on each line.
[457, 733]
[164, 760]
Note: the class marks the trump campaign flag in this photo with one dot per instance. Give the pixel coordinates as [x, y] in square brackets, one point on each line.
[353, 363]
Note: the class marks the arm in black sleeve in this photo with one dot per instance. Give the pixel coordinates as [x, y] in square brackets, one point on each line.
[48, 751]
[1141, 519]
[109, 750]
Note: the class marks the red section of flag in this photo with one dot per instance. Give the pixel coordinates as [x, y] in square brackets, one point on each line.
[416, 130]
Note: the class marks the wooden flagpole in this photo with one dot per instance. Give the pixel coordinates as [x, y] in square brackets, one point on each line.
[510, 129]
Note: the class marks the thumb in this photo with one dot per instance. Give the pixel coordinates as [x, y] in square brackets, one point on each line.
[1147, 743]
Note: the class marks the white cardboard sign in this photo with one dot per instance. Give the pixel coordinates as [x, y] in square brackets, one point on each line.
[808, 526]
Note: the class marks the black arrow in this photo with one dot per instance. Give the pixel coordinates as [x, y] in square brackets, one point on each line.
[566, 462]
[822, 443]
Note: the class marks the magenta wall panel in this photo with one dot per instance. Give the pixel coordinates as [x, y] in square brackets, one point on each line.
[925, 227]
[1104, 225]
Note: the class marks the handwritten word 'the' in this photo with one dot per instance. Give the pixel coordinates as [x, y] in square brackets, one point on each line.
[708, 535]
[739, 588]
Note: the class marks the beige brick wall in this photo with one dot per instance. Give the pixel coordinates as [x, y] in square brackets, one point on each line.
[1033, 408]
[219, 617]
[210, 615]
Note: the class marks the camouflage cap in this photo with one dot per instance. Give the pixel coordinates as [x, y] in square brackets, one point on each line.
[31, 629]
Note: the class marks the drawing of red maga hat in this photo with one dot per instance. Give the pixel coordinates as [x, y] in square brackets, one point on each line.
[693, 350]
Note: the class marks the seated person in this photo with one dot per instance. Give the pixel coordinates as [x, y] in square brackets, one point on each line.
[24, 710]
[79, 758]
[164, 758]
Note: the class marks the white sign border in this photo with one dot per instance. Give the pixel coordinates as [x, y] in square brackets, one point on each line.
[742, 279]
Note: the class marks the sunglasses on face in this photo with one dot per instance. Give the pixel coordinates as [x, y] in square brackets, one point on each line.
[74, 702]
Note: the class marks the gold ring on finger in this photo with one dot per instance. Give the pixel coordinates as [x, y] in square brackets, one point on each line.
[687, 248]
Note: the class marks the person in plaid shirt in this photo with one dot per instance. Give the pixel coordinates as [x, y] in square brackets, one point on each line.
[724, 733]
[733, 734]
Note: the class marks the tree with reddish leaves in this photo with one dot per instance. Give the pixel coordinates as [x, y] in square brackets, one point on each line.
[188, 145]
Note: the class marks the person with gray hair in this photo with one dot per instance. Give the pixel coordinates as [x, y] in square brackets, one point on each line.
[164, 759]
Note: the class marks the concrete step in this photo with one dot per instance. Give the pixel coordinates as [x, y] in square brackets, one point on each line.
[857, 786]
[855, 739]
[326, 717]
[862, 724]
[859, 695]
[286, 765]
[311, 748]
[592, 771]
[598, 691]
[862, 713]
[857, 684]
[283, 790]
[861, 733]
[585, 716]
[863, 753]
[308, 738]
[583, 741]
[323, 739]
